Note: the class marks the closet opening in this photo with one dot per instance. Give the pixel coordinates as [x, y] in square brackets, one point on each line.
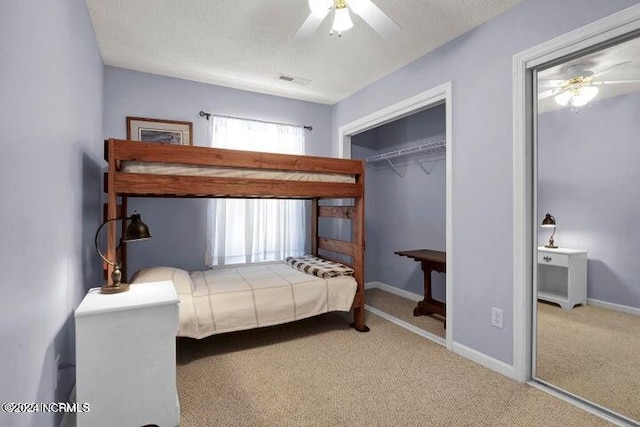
[407, 216]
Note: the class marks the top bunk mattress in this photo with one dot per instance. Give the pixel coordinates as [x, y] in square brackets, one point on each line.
[222, 172]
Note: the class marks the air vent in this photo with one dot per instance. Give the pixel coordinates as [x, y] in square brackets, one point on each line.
[293, 79]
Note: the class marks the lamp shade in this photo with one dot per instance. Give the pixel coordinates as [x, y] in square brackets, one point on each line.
[137, 230]
[584, 95]
[563, 97]
[342, 20]
[548, 221]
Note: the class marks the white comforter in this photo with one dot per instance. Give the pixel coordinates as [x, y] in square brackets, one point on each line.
[232, 299]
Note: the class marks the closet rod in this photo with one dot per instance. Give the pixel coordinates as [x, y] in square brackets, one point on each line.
[207, 115]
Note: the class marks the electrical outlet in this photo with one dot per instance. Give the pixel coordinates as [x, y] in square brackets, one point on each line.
[56, 376]
[496, 317]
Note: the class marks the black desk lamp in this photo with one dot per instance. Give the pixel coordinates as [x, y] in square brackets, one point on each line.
[135, 231]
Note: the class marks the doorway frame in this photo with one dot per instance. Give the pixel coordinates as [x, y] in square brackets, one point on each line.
[588, 36]
[422, 101]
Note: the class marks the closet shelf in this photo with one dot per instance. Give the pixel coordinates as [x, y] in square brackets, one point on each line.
[434, 147]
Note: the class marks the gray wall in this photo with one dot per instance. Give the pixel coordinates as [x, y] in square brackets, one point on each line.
[178, 225]
[588, 179]
[51, 89]
[404, 212]
[479, 64]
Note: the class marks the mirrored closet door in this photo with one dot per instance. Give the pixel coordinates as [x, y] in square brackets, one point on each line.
[587, 310]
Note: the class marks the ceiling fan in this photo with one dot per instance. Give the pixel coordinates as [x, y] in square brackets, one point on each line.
[579, 84]
[341, 18]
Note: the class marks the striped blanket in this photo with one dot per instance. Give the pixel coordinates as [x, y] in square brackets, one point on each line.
[319, 267]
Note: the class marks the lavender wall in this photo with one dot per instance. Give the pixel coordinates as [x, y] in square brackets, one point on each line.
[404, 212]
[588, 179]
[50, 174]
[479, 64]
[178, 225]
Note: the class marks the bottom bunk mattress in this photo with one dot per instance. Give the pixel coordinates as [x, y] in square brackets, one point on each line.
[236, 298]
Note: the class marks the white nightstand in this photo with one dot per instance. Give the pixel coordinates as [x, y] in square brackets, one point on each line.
[126, 357]
[562, 276]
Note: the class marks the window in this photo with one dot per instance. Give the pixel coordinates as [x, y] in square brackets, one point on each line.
[253, 230]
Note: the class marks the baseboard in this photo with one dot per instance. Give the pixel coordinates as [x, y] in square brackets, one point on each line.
[393, 290]
[484, 360]
[371, 285]
[406, 325]
[615, 307]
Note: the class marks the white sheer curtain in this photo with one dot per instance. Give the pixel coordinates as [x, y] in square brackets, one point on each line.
[252, 230]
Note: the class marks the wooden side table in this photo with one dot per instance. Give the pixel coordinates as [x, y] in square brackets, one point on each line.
[431, 261]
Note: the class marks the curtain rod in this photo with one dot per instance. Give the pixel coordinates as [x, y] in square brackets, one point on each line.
[207, 115]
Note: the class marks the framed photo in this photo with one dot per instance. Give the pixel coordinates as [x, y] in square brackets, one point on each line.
[162, 131]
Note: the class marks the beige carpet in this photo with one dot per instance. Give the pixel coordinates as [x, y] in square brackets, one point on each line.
[319, 372]
[591, 352]
[402, 308]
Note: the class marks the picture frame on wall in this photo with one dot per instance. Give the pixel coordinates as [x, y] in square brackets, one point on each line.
[159, 130]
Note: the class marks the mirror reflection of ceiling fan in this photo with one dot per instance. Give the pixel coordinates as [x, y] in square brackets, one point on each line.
[341, 19]
[578, 84]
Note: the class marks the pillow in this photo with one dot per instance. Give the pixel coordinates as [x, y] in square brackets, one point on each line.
[180, 278]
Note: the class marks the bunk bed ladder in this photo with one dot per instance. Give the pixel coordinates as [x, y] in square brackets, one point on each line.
[353, 249]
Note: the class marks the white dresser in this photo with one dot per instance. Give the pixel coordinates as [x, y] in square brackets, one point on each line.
[562, 276]
[126, 357]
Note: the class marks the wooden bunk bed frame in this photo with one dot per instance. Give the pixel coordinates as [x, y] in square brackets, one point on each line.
[120, 185]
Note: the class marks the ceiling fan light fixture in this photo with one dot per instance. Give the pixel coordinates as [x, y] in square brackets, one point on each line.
[341, 20]
[320, 8]
[576, 96]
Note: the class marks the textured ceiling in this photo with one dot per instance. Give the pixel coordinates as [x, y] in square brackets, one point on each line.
[247, 44]
[606, 60]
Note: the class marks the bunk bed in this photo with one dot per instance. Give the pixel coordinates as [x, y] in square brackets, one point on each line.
[142, 169]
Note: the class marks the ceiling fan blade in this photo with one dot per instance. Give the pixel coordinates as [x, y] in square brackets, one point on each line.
[546, 94]
[309, 26]
[601, 72]
[550, 82]
[608, 82]
[372, 15]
